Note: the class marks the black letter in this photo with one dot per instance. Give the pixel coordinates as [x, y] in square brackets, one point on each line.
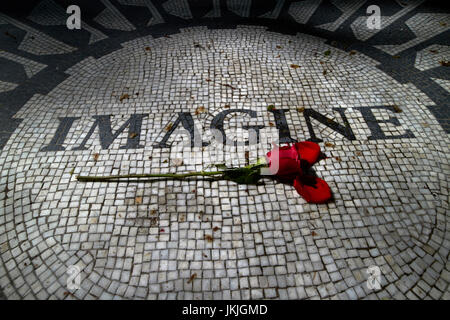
[188, 123]
[217, 123]
[282, 126]
[60, 135]
[106, 135]
[374, 127]
[345, 131]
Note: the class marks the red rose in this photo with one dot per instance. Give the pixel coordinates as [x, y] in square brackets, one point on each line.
[285, 163]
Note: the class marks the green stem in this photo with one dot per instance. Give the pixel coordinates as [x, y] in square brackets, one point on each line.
[148, 175]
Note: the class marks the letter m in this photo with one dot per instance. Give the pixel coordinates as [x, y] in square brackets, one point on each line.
[107, 136]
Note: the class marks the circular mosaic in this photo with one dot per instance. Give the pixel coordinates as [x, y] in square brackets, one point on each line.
[138, 109]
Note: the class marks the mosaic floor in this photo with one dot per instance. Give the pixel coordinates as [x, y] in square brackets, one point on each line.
[128, 93]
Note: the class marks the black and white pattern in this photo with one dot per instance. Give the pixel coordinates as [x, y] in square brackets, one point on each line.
[377, 100]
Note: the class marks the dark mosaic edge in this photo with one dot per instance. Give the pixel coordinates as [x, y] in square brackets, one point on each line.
[401, 69]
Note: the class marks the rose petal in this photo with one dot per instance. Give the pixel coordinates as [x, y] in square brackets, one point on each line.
[308, 151]
[318, 193]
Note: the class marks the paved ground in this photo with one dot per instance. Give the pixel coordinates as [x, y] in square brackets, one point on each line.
[114, 98]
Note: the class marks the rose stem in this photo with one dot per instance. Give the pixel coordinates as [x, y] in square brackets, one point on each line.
[149, 175]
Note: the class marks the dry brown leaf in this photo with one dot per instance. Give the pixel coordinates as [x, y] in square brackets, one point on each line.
[338, 159]
[138, 200]
[301, 109]
[271, 124]
[133, 135]
[168, 127]
[329, 144]
[397, 109]
[192, 277]
[124, 96]
[227, 106]
[147, 49]
[153, 212]
[313, 233]
[96, 155]
[216, 229]
[295, 66]
[279, 47]
[199, 110]
[209, 238]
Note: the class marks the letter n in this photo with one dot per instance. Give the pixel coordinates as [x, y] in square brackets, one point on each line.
[346, 131]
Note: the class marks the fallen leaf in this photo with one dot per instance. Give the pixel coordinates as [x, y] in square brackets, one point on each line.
[147, 48]
[168, 127]
[138, 200]
[153, 212]
[124, 96]
[321, 62]
[279, 47]
[133, 135]
[313, 233]
[216, 229]
[397, 109]
[271, 124]
[338, 159]
[72, 171]
[165, 161]
[96, 155]
[329, 144]
[271, 107]
[209, 238]
[301, 109]
[327, 53]
[154, 221]
[199, 110]
[444, 24]
[192, 277]
[295, 66]
[227, 106]
[445, 63]
[208, 80]
[324, 72]
[358, 153]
